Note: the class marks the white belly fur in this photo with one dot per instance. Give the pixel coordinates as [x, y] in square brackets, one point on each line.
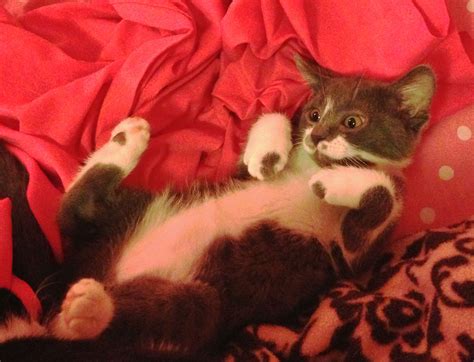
[171, 248]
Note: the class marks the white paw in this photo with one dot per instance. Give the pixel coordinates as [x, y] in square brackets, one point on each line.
[263, 164]
[132, 134]
[85, 313]
[269, 144]
[345, 186]
[128, 141]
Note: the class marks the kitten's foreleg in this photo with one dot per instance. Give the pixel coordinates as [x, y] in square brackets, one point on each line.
[374, 204]
[346, 185]
[268, 146]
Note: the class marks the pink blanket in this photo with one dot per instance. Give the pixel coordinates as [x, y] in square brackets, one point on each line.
[201, 71]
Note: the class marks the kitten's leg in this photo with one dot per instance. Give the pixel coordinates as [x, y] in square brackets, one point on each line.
[346, 185]
[128, 141]
[95, 206]
[268, 146]
[161, 315]
[374, 201]
[154, 313]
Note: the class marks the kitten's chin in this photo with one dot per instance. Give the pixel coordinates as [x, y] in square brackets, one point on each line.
[323, 160]
[326, 161]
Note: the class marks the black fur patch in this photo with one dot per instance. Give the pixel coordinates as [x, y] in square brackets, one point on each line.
[96, 208]
[95, 216]
[11, 305]
[268, 263]
[150, 310]
[375, 206]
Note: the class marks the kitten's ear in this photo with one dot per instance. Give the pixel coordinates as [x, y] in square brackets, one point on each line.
[312, 72]
[416, 90]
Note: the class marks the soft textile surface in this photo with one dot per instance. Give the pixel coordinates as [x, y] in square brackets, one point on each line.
[416, 306]
[201, 72]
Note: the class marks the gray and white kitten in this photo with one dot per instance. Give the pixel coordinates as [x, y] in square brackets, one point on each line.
[177, 273]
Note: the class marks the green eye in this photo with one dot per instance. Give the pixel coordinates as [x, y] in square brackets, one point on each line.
[353, 122]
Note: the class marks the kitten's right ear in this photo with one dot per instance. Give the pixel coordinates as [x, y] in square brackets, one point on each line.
[312, 72]
[416, 89]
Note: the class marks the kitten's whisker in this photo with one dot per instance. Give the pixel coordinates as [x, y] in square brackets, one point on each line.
[357, 162]
[321, 82]
[356, 88]
[45, 282]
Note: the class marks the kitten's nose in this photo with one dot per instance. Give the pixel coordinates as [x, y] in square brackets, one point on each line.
[318, 135]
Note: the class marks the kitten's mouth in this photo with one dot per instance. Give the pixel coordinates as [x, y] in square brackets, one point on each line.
[323, 160]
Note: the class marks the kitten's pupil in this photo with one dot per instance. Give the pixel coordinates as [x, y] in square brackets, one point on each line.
[315, 116]
[351, 122]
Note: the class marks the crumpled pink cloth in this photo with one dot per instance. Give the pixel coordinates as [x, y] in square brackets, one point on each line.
[201, 71]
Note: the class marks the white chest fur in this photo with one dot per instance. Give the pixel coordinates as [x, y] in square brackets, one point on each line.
[171, 248]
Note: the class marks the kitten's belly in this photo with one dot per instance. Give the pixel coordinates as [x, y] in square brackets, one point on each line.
[171, 249]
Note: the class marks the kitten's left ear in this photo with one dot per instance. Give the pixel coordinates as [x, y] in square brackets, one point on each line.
[314, 74]
[416, 90]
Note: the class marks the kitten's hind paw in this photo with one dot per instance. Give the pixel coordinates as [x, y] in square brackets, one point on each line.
[85, 313]
[132, 133]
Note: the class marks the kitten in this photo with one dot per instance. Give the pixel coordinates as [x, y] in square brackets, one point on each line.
[175, 274]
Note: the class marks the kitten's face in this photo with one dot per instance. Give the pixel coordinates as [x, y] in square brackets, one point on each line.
[361, 122]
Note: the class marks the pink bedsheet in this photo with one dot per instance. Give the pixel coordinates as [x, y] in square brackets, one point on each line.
[201, 72]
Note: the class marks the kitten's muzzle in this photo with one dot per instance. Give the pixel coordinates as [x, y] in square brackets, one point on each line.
[318, 135]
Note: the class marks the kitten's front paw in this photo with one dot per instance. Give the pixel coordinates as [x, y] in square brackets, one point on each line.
[269, 145]
[349, 186]
[335, 188]
[85, 313]
[265, 164]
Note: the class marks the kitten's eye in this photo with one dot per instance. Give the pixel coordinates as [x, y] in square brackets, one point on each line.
[314, 116]
[353, 122]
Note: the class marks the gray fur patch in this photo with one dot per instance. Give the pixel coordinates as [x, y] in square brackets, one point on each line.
[268, 163]
[375, 206]
[319, 190]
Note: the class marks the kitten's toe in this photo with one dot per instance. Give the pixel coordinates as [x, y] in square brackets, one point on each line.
[86, 311]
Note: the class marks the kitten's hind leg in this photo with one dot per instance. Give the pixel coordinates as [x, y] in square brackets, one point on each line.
[159, 315]
[95, 207]
[128, 141]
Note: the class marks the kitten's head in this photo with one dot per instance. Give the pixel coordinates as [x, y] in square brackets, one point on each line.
[355, 121]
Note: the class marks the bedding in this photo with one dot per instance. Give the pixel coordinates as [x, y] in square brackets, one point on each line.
[201, 72]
